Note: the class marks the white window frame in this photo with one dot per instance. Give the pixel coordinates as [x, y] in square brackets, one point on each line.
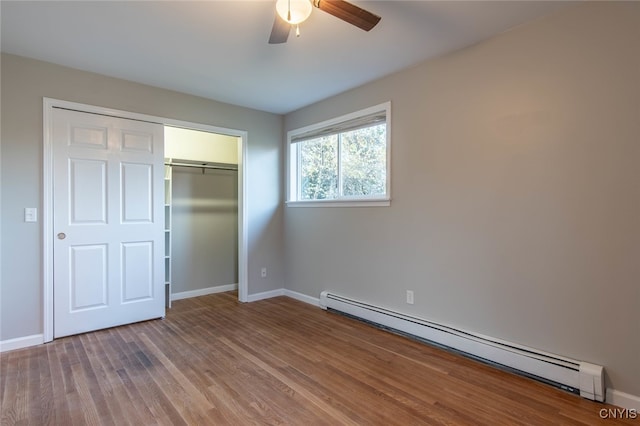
[292, 162]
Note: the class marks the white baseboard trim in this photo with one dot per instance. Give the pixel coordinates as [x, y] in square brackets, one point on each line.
[265, 295]
[284, 292]
[203, 291]
[623, 400]
[315, 301]
[21, 342]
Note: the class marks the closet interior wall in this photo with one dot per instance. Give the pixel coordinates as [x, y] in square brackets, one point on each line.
[204, 229]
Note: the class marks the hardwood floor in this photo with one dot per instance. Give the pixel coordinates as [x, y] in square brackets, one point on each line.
[214, 361]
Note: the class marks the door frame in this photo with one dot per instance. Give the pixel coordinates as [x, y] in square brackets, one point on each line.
[48, 206]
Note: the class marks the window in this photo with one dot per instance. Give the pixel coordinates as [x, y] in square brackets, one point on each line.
[344, 161]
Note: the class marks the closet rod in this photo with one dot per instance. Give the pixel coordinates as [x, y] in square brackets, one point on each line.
[203, 166]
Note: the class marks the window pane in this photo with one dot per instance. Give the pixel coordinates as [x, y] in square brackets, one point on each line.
[319, 168]
[364, 161]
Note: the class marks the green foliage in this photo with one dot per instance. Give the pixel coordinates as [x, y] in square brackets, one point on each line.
[319, 168]
[364, 158]
[362, 164]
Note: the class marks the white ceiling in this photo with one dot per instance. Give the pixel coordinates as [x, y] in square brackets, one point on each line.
[219, 49]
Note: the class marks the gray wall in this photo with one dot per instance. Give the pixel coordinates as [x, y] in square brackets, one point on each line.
[24, 83]
[515, 192]
[204, 229]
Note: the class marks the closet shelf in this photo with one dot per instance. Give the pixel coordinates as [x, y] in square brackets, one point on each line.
[167, 231]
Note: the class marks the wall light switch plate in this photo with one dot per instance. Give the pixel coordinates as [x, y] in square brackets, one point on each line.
[30, 214]
[410, 297]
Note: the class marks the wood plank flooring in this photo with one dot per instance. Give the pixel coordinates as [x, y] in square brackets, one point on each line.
[214, 361]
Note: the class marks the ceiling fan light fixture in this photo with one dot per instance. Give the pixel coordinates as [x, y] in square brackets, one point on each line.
[294, 11]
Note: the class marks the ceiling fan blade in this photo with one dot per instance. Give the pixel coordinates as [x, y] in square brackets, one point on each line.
[280, 31]
[349, 13]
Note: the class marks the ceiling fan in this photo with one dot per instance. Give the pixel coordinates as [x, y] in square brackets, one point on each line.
[293, 12]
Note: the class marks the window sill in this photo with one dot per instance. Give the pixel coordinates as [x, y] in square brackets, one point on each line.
[340, 203]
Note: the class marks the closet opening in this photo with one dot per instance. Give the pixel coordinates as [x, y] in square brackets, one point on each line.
[201, 213]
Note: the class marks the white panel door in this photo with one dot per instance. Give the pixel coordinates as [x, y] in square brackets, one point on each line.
[108, 221]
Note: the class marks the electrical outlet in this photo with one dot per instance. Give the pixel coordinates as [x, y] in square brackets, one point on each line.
[410, 297]
[263, 272]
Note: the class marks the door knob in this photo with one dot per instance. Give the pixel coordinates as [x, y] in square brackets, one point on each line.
[62, 236]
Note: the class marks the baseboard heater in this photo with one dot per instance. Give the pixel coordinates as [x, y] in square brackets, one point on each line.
[578, 377]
